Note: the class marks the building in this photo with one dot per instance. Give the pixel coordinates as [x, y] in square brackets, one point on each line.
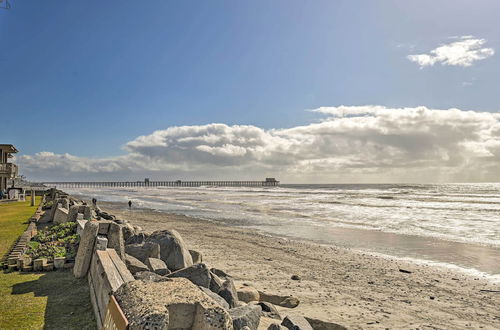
[7, 170]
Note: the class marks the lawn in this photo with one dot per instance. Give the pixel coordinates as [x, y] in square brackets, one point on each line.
[53, 300]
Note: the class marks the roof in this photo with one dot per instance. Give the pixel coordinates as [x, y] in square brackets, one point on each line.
[8, 148]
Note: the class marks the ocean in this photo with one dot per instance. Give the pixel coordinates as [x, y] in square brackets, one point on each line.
[454, 225]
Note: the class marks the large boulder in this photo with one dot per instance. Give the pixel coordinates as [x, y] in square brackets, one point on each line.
[134, 265]
[276, 299]
[248, 294]
[157, 266]
[143, 251]
[296, 323]
[228, 292]
[137, 238]
[173, 250]
[198, 274]
[246, 316]
[172, 304]
[324, 325]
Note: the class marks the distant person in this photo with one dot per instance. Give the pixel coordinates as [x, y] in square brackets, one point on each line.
[129, 204]
[94, 201]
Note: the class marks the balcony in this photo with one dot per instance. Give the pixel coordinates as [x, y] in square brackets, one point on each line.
[8, 170]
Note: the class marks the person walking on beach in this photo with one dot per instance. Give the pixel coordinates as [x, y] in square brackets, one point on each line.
[94, 202]
[129, 204]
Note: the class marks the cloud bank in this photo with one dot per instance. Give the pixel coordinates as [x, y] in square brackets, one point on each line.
[349, 144]
[463, 53]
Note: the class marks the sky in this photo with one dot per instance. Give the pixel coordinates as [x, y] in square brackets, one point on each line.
[307, 92]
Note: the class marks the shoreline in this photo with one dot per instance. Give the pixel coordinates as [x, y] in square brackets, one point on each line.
[353, 288]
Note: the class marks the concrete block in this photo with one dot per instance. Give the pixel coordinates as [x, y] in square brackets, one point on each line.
[85, 249]
[101, 242]
[59, 262]
[61, 215]
[38, 264]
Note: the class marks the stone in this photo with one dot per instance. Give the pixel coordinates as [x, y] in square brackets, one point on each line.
[128, 231]
[148, 276]
[218, 299]
[144, 250]
[248, 294]
[172, 304]
[134, 265]
[276, 326]
[48, 267]
[296, 323]
[283, 301]
[60, 215]
[101, 242]
[157, 266]
[246, 316]
[59, 262]
[215, 283]
[38, 264]
[220, 273]
[73, 213]
[115, 239]
[324, 325]
[173, 250]
[138, 238]
[198, 274]
[268, 310]
[87, 213]
[80, 224]
[295, 277]
[228, 292]
[85, 249]
[196, 256]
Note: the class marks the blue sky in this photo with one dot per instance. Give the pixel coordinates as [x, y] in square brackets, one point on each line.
[88, 77]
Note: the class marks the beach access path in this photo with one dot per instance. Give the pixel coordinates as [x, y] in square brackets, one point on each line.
[351, 288]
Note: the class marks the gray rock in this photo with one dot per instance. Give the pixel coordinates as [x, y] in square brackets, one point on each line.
[157, 266]
[115, 239]
[148, 276]
[283, 301]
[248, 294]
[268, 310]
[218, 299]
[324, 325]
[198, 274]
[215, 283]
[196, 256]
[85, 249]
[220, 273]
[73, 213]
[246, 316]
[276, 326]
[127, 231]
[134, 264]
[228, 292]
[295, 277]
[173, 250]
[296, 323]
[143, 251]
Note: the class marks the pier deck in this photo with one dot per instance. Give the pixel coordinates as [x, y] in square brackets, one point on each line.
[147, 183]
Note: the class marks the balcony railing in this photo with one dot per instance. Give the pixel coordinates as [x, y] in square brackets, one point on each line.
[8, 169]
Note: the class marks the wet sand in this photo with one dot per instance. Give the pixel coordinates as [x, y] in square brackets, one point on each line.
[338, 284]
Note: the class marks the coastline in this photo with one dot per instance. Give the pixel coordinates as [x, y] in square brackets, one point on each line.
[338, 284]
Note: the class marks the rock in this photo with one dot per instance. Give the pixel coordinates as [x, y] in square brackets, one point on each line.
[215, 283]
[157, 266]
[296, 323]
[85, 249]
[143, 251]
[148, 276]
[173, 250]
[246, 316]
[228, 292]
[245, 328]
[276, 326]
[127, 231]
[324, 325]
[101, 242]
[134, 264]
[59, 262]
[295, 277]
[115, 239]
[198, 274]
[268, 310]
[218, 299]
[73, 213]
[60, 215]
[138, 238]
[172, 304]
[283, 301]
[220, 273]
[196, 256]
[87, 213]
[248, 294]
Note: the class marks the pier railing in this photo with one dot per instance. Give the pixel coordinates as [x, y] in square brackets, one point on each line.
[178, 183]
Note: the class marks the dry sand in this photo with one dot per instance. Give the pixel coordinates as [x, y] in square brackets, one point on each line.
[348, 287]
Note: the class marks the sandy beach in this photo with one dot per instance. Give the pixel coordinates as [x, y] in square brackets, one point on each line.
[348, 287]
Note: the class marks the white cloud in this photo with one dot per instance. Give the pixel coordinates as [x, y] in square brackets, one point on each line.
[350, 144]
[463, 53]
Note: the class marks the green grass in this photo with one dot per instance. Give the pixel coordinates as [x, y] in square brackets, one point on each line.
[53, 300]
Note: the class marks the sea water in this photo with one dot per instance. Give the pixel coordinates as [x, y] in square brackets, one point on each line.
[457, 224]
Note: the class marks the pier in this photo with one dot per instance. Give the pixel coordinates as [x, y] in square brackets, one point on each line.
[269, 182]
